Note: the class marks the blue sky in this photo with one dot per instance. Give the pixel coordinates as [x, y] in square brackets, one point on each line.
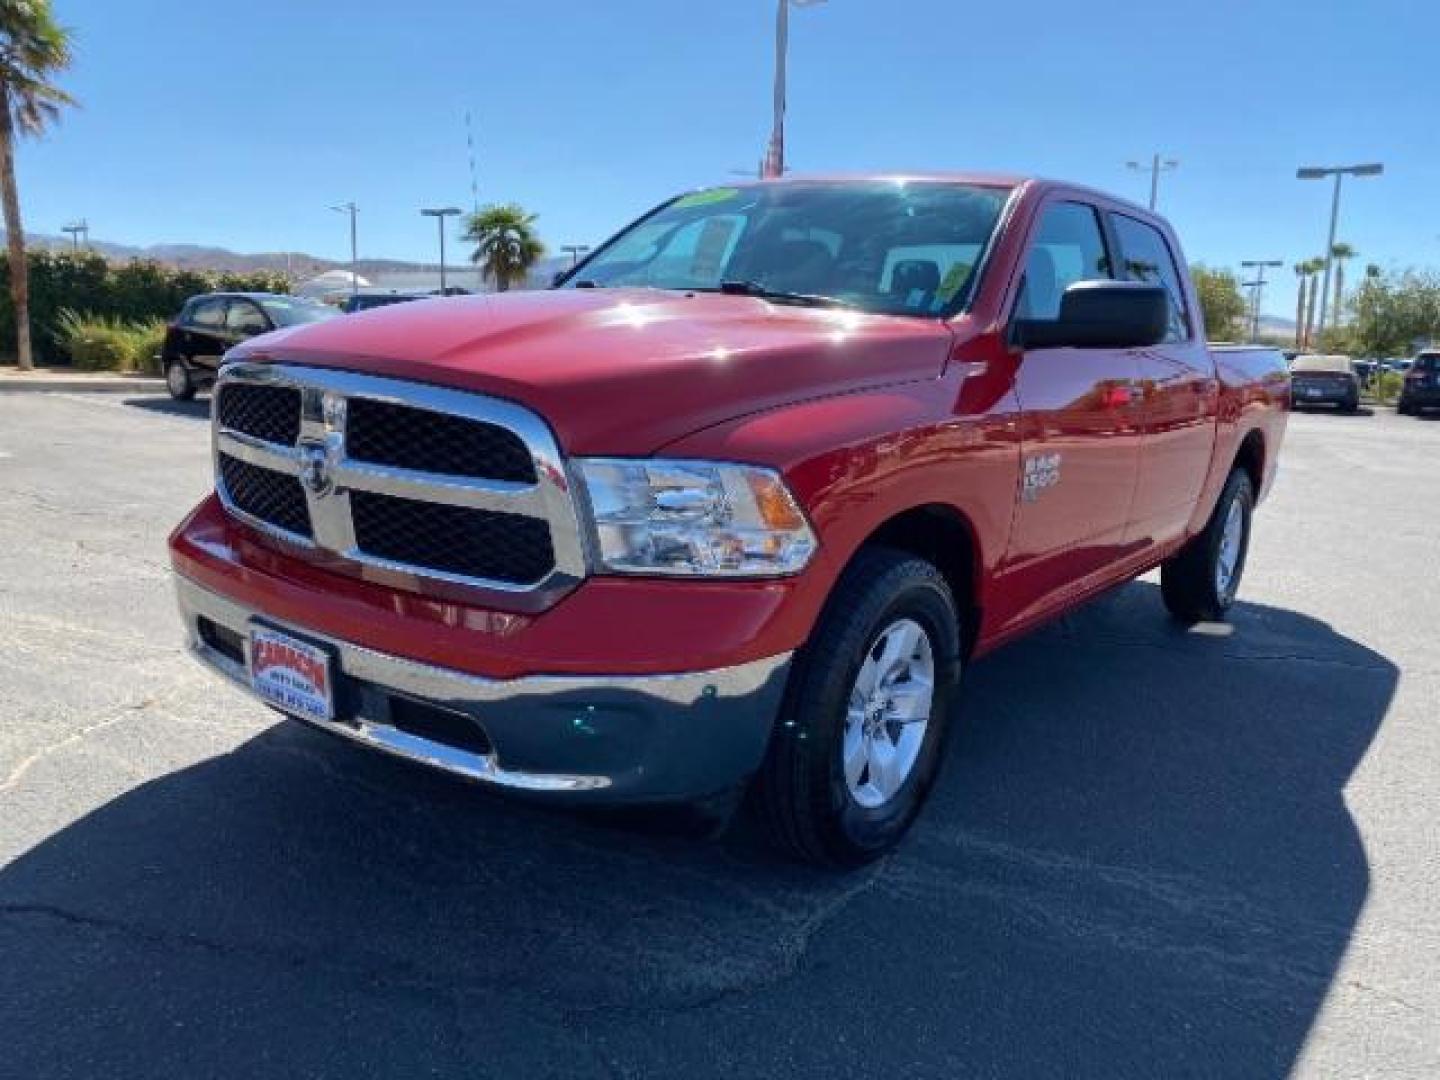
[237, 124]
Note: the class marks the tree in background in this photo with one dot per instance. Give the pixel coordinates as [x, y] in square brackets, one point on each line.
[1315, 266]
[1340, 252]
[1394, 312]
[33, 49]
[1302, 272]
[1221, 302]
[506, 245]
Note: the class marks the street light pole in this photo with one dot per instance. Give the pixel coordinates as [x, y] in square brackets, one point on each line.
[76, 229]
[440, 213]
[351, 209]
[774, 163]
[1259, 283]
[1319, 172]
[1155, 168]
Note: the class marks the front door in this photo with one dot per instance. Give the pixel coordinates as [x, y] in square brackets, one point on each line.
[1080, 439]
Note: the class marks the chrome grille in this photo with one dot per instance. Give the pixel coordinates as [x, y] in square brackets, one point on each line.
[271, 413]
[435, 490]
[384, 433]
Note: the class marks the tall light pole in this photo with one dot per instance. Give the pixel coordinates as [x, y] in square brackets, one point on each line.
[77, 229]
[440, 213]
[774, 163]
[1319, 172]
[351, 209]
[1155, 168]
[574, 251]
[1259, 266]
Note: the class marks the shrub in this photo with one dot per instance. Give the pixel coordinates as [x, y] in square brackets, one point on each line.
[139, 291]
[107, 344]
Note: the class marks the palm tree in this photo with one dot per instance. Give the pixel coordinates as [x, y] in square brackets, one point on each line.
[1302, 271]
[33, 47]
[1316, 266]
[506, 246]
[1340, 252]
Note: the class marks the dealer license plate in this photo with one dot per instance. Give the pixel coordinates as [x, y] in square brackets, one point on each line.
[290, 674]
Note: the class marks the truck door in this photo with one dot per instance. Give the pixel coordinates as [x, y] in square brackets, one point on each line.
[1080, 440]
[1176, 397]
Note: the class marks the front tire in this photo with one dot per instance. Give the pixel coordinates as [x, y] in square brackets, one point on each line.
[1200, 582]
[859, 738]
[178, 381]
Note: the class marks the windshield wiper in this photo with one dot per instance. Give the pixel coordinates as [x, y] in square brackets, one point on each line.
[754, 288]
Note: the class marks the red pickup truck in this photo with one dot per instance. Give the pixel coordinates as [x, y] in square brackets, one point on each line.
[732, 506]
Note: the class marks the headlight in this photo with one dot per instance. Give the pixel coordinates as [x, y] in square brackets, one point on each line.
[652, 516]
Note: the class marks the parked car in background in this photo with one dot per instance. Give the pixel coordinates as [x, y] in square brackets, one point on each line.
[1317, 379]
[1422, 385]
[368, 301]
[1398, 364]
[210, 324]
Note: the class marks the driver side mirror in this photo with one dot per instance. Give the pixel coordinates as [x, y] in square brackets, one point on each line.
[1100, 315]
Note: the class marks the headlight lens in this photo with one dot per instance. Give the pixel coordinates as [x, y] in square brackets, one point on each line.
[653, 516]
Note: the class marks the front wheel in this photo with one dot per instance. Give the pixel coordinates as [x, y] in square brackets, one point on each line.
[858, 742]
[178, 381]
[1200, 582]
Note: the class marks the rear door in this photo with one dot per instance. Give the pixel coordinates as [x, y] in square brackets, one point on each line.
[205, 332]
[1080, 437]
[1176, 396]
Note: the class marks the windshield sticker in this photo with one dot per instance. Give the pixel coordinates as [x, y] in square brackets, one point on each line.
[954, 278]
[705, 198]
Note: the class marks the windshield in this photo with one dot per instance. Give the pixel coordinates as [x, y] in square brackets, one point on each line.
[285, 311]
[893, 247]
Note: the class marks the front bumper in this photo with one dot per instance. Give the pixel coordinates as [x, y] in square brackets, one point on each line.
[604, 739]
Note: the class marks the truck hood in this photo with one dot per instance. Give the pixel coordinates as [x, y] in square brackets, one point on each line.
[621, 371]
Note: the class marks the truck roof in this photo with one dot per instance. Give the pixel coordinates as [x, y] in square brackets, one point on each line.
[931, 176]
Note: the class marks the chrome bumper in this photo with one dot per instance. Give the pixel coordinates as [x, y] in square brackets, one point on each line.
[598, 738]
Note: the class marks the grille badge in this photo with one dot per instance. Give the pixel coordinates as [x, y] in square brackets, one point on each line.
[315, 469]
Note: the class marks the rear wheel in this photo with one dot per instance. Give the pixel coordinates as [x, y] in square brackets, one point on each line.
[1200, 582]
[178, 381]
[859, 738]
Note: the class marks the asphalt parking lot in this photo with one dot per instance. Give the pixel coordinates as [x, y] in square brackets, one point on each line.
[1154, 853]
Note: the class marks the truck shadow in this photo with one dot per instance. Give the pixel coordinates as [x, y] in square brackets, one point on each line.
[197, 408]
[1138, 863]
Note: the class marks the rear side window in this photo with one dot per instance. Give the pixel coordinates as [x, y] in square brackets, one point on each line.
[208, 314]
[1068, 247]
[1429, 362]
[1145, 256]
[245, 318]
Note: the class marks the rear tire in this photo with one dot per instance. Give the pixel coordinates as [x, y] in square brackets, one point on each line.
[1199, 583]
[178, 381]
[848, 768]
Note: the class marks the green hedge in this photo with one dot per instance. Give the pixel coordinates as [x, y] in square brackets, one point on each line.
[137, 292]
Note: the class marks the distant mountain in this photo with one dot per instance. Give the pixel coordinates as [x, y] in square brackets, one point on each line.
[298, 265]
[222, 260]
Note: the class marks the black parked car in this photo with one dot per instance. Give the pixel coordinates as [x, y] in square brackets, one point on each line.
[208, 325]
[1422, 385]
[366, 301]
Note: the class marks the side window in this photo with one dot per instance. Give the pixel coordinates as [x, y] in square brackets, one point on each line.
[1146, 256]
[1068, 247]
[243, 317]
[208, 314]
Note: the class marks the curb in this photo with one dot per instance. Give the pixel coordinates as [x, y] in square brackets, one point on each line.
[83, 385]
